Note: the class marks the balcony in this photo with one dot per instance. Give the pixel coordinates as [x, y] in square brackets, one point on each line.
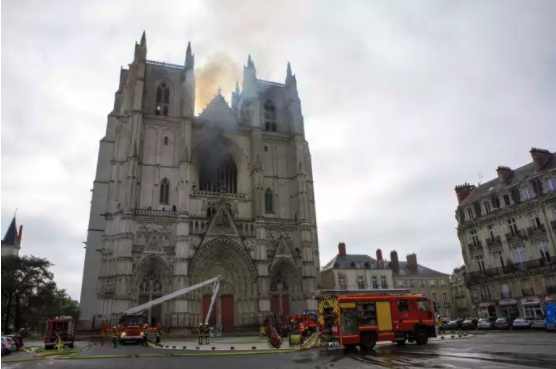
[475, 246]
[553, 224]
[525, 292]
[533, 231]
[505, 295]
[494, 241]
[472, 278]
[550, 290]
[516, 236]
[447, 305]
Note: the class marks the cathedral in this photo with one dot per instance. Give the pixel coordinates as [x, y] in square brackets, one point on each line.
[180, 198]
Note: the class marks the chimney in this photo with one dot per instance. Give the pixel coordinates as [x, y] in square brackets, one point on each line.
[394, 262]
[20, 234]
[464, 190]
[540, 157]
[379, 255]
[412, 261]
[503, 173]
[342, 249]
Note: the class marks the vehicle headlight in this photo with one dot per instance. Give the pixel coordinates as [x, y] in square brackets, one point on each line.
[123, 334]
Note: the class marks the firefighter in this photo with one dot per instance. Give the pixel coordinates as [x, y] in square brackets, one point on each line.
[145, 335]
[440, 324]
[207, 334]
[201, 333]
[114, 336]
[158, 335]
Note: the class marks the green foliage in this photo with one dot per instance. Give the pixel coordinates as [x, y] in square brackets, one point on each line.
[30, 295]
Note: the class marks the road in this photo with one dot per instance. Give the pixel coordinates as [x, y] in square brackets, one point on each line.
[496, 350]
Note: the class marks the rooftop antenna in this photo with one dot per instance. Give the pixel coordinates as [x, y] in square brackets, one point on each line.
[480, 178]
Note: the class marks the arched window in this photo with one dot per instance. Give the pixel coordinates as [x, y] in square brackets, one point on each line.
[162, 100]
[165, 192]
[218, 173]
[269, 116]
[268, 201]
[166, 141]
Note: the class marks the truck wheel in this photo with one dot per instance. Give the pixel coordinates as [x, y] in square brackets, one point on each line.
[368, 341]
[401, 343]
[421, 337]
[70, 345]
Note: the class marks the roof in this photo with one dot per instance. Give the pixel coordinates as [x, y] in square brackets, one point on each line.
[421, 270]
[518, 175]
[11, 234]
[345, 261]
[218, 111]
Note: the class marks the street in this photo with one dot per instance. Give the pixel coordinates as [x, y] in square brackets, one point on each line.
[494, 350]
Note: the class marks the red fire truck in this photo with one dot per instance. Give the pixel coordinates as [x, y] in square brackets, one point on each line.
[363, 318]
[308, 322]
[129, 329]
[63, 327]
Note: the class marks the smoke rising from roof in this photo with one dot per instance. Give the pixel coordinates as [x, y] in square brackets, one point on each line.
[219, 71]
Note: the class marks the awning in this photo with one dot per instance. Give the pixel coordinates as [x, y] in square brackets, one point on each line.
[507, 302]
[530, 301]
[486, 304]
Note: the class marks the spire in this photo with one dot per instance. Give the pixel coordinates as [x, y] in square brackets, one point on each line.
[289, 70]
[219, 91]
[237, 87]
[249, 62]
[188, 52]
[189, 57]
[11, 234]
[289, 77]
[144, 39]
[143, 47]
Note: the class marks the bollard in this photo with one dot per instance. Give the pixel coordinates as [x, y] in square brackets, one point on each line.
[442, 337]
[197, 347]
[452, 336]
[253, 348]
[214, 348]
[232, 347]
[184, 347]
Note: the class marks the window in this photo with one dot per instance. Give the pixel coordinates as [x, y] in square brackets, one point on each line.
[423, 305]
[165, 192]
[270, 116]
[403, 306]
[469, 213]
[551, 184]
[442, 283]
[496, 202]
[432, 283]
[520, 256]
[485, 293]
[506, 200]
[411, 283]
[534, 220]
[512, 227]
[505, 292]
[486, 205]
[400, 283]
[423, 283]
[434, 296]
[383, 282]
[533, 311]
[543, 251]
[480, 263]
[375, 282]
[266, 148]
[360, 283]
[342, 281]
[527, 193]
[499, 259]
[162, 100]
[268, 201]
[166, 141]
[491, 232]
[444, 297]
[218, 171]
[474, 237]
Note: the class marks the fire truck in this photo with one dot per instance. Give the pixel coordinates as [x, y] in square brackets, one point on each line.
[308, 322]
[363, 318]
[63, 327]
[132, 321]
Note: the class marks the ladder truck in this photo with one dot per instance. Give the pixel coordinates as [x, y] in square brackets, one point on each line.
[133, 320]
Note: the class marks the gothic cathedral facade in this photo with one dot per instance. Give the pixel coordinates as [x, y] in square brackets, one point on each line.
[180, 198]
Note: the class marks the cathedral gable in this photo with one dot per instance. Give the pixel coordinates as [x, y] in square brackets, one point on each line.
[222, 224]
[219, 112]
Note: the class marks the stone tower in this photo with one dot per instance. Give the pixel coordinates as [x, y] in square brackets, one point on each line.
[180, 198]
[11, 243]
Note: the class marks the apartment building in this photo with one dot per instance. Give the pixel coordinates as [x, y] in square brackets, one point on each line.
[507, 227]
[461, 295]
[424, 281]
[356, 272]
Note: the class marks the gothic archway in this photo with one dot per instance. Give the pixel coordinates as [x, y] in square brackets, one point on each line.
[286, 288]
[238, 295]
[152, 280]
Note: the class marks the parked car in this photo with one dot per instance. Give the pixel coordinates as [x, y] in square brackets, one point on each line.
[522, 323]
[486, 323]
[469, 324]
[5, 350]
[453, 325]
[503, 323]
[538, 323]
[9, 343]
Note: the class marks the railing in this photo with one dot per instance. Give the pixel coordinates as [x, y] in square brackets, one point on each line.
[156, 213]
[475, 246]
[550, 290]
[239, 196]
[165, 65]
[270, 83]
[531, 231]
[505, 295]
[162, 117]
[527, 292]
[518, 235]
[478, 276]
[496, 241]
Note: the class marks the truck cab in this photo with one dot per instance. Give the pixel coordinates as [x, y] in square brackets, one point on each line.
[62, 327]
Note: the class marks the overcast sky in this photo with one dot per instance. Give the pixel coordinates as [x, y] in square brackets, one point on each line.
[402, 101]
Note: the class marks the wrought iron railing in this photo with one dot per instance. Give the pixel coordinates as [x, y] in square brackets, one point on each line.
[527, 292]
[531, 265]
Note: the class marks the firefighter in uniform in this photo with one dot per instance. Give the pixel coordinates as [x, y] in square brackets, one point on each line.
[201, 333]
[158, 335]
[440, 324]
[114, 336]
[207, 334]
[145, 335]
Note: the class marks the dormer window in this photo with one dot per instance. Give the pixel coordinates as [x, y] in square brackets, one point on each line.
[527, 193]
[469, 213]
[551, 184]
[506, 199]
[162, 104]
[487, 208]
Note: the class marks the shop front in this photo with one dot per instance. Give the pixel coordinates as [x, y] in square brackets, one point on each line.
[486, 310]
[532, 308]
[508, 308]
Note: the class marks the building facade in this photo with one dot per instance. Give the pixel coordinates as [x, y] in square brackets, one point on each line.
[506, 227]
[180, 198]
[356, 272]
[11, 243]
[461, 295]
[424, 281]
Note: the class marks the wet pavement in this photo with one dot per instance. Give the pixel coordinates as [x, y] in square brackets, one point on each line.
[496, 350]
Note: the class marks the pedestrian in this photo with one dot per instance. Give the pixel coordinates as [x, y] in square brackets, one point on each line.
[114, 336]
[145, 336]
[201, 333]
[207, 334]
[158, 335]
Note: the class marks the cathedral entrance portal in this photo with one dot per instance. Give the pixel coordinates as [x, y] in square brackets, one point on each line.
[286, 289]
[152, 282]
[237, 303]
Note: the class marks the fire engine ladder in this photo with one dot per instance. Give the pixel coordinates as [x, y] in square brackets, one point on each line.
[216, 280]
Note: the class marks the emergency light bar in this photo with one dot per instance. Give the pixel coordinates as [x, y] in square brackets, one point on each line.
[392, 291]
